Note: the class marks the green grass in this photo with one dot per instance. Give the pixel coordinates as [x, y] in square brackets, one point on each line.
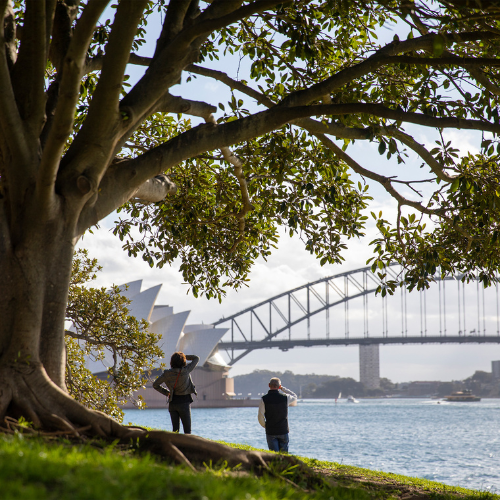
[33, 468]
[348, 475]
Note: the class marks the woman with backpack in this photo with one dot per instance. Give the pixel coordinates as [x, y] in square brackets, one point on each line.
[179, 389]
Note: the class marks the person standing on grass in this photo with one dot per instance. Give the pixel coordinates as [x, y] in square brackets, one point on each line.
[273, 414]
[179, 389]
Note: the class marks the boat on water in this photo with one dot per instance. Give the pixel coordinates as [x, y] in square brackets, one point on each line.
[464, 396]
[352, 399]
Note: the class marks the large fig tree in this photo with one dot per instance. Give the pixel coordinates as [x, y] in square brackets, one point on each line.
[210, 185]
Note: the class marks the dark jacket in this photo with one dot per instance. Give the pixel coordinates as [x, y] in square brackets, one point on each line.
[276, 413]
[184, 384]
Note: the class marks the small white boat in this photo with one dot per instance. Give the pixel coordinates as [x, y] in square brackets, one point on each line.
[352, 399]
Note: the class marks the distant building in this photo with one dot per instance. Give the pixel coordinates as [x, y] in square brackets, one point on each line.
[369, 366]
[422, 389]
[215, 388]
[495, 369]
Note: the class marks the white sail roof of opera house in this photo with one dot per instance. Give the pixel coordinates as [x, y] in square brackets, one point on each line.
[176, 335]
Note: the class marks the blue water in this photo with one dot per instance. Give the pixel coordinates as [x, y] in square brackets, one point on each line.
[453, 443]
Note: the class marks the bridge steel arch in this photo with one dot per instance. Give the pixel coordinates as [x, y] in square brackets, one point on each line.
[264, 325]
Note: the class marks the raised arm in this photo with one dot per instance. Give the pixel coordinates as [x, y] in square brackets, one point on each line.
[290, 395]
[194, 361]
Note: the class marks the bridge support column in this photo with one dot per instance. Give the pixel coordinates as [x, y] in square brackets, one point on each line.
[369, 366]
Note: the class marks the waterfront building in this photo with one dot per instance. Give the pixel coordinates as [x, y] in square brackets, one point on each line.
[422, 389]
[369, 366]
[211, 377]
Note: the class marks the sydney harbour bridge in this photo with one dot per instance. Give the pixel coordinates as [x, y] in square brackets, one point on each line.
[345, 310]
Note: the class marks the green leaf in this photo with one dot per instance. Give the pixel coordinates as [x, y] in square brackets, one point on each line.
[455, 184]
[438, 45]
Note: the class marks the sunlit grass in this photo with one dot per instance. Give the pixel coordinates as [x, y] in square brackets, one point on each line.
[31, 468]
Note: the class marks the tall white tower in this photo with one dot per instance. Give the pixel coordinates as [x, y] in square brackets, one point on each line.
[369, 366]
[495, 369]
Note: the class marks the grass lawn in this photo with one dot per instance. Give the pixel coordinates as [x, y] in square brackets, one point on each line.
[35, 467]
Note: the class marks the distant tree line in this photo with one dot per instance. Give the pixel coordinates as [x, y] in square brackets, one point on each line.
[330, 386]
[307, 386]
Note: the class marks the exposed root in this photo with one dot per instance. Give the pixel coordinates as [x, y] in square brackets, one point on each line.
[135, 427]
[61, 422]
[179, 456]
[74, 432]
[12, 426]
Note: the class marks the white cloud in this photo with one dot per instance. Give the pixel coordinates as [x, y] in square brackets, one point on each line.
[464, 140]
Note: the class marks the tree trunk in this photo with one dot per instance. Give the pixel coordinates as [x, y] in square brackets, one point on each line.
[52, 189]
[35, 266]
[36, 270]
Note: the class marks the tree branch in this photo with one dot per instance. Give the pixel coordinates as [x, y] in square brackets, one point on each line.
[231, 158]
[173, 24]
[64, 16]
[166, 67]
[64, 116]
[374, 62]
[208, 137]
[175, 104]
[231, 83]
[335, 129]
[409, 141]
[382, 111]
[28, 74]
[443, 61]
[11, 122]
[104, 118]
[383, 181]
[483, 80]
[9, 32]
[211, 19]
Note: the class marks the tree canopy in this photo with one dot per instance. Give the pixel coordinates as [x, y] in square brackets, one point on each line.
[326, 55]
[211, 182]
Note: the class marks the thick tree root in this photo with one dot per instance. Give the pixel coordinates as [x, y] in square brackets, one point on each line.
[29, 393]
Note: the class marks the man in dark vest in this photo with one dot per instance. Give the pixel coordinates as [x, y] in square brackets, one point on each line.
[273, 414]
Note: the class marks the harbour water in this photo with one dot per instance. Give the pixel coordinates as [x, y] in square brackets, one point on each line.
[453, 443]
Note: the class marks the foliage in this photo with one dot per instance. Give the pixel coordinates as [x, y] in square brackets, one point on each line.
[298, 186]
[103, 328]
[299, 180]
[481, 376]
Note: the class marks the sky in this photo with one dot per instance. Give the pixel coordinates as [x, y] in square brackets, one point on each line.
[291, 266]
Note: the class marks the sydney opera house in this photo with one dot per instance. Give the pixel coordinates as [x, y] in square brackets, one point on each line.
[215, 388]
